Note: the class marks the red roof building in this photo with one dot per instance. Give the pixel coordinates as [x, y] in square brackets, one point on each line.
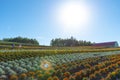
[106, 44]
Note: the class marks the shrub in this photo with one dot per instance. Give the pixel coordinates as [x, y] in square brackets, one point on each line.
[40, 77]
[55, 78]
[31, 74]
[13, 77]
[50, 78]
[66, 78]
[66, 74]
[23, 76]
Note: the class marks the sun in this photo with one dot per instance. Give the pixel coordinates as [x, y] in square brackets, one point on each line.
[73, 15]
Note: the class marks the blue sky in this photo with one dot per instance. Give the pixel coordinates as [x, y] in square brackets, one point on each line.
[35, 19]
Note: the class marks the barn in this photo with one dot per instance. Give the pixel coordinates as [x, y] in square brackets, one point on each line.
[107, 44]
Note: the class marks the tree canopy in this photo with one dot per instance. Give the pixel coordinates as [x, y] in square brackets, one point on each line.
[69, 42]
[21, 40]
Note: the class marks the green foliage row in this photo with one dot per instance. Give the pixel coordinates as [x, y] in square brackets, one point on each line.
[13, 55]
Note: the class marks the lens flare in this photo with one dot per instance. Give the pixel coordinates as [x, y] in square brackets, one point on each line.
[46, 65]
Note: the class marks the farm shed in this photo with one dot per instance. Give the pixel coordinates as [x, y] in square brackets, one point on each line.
[107, 44]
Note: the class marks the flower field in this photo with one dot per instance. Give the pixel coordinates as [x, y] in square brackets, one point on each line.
[35, 65]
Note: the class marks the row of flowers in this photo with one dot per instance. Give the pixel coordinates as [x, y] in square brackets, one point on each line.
[100, 69]
[22, 54]
[107, 70]
[60, 66]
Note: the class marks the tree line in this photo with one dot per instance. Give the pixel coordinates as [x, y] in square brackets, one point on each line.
[69, 42]
[22, 40]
